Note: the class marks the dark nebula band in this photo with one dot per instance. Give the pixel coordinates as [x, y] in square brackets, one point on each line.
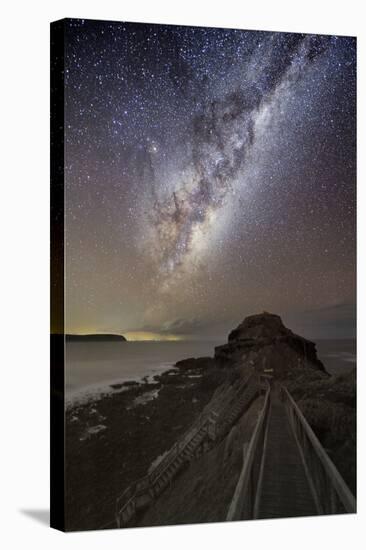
[208, 171]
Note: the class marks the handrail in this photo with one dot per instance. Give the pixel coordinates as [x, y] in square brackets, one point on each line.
[253, 387]
[228, 404]
[251, 391]
[179, 447]
[238, 390]
[330, 491]
[194, 428]
[146, 483]
[243, 501]
[204, 417]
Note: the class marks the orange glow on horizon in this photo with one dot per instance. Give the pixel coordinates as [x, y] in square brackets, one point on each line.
[142, 336]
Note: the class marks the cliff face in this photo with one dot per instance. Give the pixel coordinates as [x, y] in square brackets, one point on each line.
[264, 343]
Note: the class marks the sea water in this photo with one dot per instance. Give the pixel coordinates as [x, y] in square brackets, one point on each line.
[91, 367]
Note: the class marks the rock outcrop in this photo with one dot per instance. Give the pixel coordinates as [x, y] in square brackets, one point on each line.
[195, 363]
[264, 343]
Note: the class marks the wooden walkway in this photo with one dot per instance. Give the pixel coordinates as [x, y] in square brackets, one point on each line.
[213, 423]
[274, 481]
[284, 489]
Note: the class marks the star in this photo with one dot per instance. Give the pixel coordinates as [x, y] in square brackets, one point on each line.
[208, 173]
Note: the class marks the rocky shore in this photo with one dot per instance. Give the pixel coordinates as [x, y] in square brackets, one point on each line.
[113, 441]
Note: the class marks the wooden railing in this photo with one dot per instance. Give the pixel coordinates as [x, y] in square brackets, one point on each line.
[330, 491]
[244, 500]
[179, 446]
[142, 491]
[241, 403]
[208, 418]
[226, 406]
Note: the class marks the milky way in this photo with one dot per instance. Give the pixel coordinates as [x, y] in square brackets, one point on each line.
[210, 173]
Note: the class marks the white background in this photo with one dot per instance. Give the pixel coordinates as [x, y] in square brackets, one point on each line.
[24, 307]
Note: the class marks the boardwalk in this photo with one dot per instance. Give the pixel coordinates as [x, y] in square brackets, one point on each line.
[286, 471]
[284, 487]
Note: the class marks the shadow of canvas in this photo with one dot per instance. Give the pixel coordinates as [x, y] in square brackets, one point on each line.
[40, 515]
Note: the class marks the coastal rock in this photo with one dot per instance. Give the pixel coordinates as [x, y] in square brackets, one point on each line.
[261, 326]
[264, 343]
[195, 363]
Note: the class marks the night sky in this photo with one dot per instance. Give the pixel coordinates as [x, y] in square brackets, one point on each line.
[210, 174]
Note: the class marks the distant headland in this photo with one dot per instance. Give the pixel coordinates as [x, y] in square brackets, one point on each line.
[95, 338]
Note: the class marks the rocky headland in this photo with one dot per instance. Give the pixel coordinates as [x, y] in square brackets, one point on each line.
[143, 421]
[263, 342]
[95, 338]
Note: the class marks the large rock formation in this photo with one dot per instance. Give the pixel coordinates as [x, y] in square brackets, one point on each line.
[264, 343]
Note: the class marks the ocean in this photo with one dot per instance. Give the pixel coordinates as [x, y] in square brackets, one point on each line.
[91, 367]
[338, 356]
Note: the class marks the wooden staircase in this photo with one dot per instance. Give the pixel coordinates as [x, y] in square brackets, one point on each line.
[227, 404]
[240, 405]
[185, 456]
